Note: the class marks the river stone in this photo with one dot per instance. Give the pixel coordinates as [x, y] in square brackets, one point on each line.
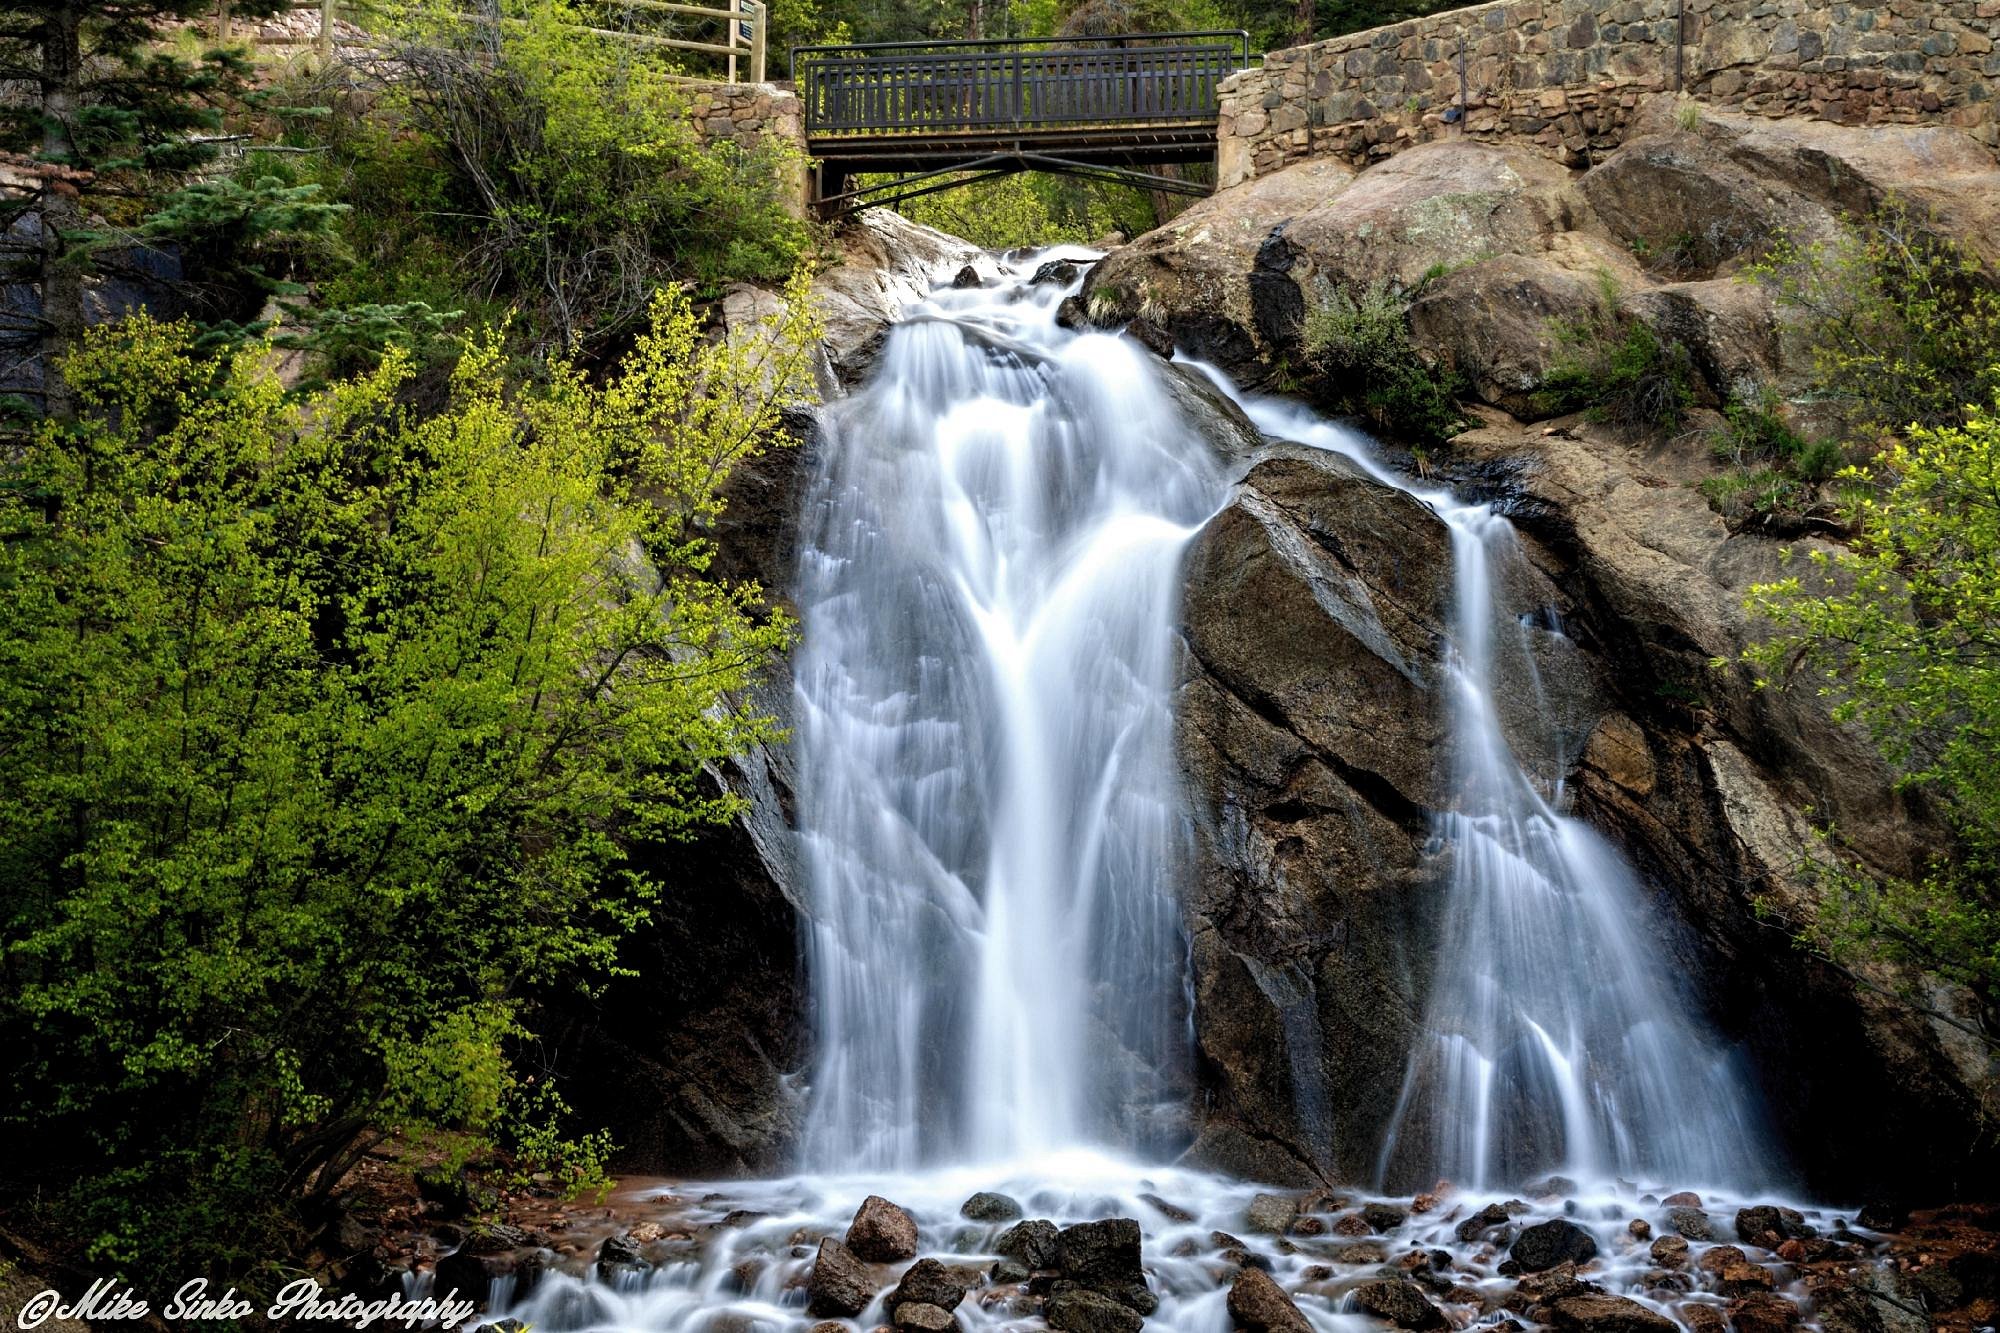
[1400, 1303]
[1670, 1252]
[928, 1282]
[1257, 1303]
[1691, 1222]
[1076, 1309]
[1271, 1214]
[1384, 1216]
[1492, 1215]
[965, 277]
[1031, 1244]
[989, 1207]
[1547, 1244]
[1101, 1254]
[1770, 1227]
[881, 1232]
[1703, 1318]
[1763, 1312]
[1601, 1312]
[918, 1317]
[840, 1284]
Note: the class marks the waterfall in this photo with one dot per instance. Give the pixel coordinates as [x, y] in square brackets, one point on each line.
[1556, 1039]
[988, 808]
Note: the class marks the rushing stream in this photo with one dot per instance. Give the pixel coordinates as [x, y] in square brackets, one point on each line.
[992, 827]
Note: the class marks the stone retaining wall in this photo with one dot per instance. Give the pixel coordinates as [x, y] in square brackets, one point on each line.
[746, 114]
[1567, 75]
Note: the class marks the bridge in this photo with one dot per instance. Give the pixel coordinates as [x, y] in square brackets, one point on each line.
[932, 115]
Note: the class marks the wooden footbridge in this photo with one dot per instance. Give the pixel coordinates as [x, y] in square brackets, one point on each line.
[931, 115]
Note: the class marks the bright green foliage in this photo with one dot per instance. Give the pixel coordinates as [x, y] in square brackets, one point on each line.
[1361, 348]
[1617, 370]
[327, 724]
[1031, 208]
[1901, 323]
[1902, 633]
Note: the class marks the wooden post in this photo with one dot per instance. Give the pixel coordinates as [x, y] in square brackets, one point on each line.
[325, 32]
[222, 25]
[760, 35]
[735, 7]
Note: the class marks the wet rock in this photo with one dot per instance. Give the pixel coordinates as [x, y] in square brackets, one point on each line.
[1882, 1217]
[840, 1283]
[1172, 1212]
[1763, 1312]
[1384, 1216]
[1361, 1252]
[1354, 1224]
[1670, 1252]
[1553, 1284]
[1271, 1214]
[1639, 1229]
[1006, 1271]
[881, 1232]
[1492, 1215]
[916, 1317]
[1558, 1187]
[1031, 1244]
[1732, 1272]
[1771, 1227]
[473, 1273]
[1547, 1244]
[1690, 1222]
[1703, 1318]
[988, 1207]
[1683, 1199]
[1257, 1303]
[928, 1282]
[829, 1326]
[1400, 1303]
[1100, 1254]
[1060, 271]
[965, 277]
[1602, 1312]
[1077, 1309]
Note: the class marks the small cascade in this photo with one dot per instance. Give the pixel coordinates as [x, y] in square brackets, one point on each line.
[1558, 1042]
[988, 807]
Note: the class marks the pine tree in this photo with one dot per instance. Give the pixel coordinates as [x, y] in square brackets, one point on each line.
[105, 121]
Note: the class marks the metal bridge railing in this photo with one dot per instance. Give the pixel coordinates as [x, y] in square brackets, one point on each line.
[945, 87]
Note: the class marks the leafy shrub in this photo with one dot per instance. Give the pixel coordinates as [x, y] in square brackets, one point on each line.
[1361, 349]
[328, 723]
[1900, 322]
[1900, 633]
[1617, 370]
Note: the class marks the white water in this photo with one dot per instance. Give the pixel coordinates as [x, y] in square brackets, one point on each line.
[987, 800]
[1558, 1039]
[991, 827]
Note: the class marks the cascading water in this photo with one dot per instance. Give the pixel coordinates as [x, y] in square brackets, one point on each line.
[1557, 1042]
[989, 818]
[988, 804]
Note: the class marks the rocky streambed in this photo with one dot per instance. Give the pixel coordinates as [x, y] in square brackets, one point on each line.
[1092, 1246]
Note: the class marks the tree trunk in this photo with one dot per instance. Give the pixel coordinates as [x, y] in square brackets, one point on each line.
[61, 276]
[1305, 17]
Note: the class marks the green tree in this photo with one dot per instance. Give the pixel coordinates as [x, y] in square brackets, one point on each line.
[1902, 634]
[327, 724]
[112, 121]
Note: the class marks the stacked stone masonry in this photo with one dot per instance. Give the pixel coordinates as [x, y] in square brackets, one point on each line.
[1567, 75]
[747, 114]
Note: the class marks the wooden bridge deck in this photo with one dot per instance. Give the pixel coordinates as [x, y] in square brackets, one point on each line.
[1098, 106]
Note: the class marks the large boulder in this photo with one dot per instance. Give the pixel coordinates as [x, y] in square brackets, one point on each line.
[881, 1232]
[931, 1283]
[1602, 1312]
[840, 1284]
[1258, 1304]
[1402, 1304]
[1547, 1244]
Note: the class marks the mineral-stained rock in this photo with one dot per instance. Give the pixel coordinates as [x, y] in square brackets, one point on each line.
[1770, 1226]
[1400, 1303]
[988, 1207]
[916, 1317]
[1691, 1223]
[840, 1283]
[1670, 1252]
[1257, 1303]
[1384, 1216]
[1601, 1312]
[1763, 1312]
[881, 1232]
[1271, 1214]
[1547, 1244]
[1732, 1273]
